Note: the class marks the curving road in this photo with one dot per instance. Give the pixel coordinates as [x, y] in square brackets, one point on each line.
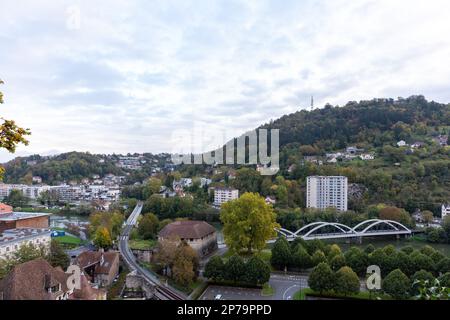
[162, 292]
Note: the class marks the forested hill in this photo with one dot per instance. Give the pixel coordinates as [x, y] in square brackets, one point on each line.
[57, 169]
[373, 123]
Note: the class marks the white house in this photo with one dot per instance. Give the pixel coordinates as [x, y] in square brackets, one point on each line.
[445, 210]
[367, 156]
[401, 143]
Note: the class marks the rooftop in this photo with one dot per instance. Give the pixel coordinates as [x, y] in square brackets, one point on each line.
[187, 229]
[21, 233]
[21, 216]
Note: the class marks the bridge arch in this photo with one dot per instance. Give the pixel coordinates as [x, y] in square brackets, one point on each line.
[397, 226]
[339, 226]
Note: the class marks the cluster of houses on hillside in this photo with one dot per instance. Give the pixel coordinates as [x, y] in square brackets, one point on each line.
[37, 279]
[105, 190]
[441, 140]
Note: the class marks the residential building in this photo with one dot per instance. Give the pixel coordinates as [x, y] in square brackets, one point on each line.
[222, 195]
[327, 192]
[11, 240]
[5, 209]
[100, 267]
[401, 143]
[37, 179]
[38, 280]
[442, 140]
[445, 210]
[367, 156]
[13, 220]
[201, 236]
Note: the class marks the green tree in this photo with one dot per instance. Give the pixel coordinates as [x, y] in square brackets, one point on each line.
[185, 264]
[281, 254]
[396, 284]
[322, 278]
[235, 269]
[445, 279]
[57, 257]
[369, 249]
[446, 226]
[337, 262]
[404, 263]
[347, 281]
[152, 186]
[16, 199]
[357, 260]
[318, 257]
[214, 268]
[334, 251]
[257, 272]
[301, 258]
[422, 262]
[443, 266]
[247, 180]
[148, 226]
[248, 222]
[421, 275]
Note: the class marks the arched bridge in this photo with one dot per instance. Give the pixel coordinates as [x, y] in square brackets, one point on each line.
[334, 230]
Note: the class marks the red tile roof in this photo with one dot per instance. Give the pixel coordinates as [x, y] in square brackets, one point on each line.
[187, 229]
[4, 208]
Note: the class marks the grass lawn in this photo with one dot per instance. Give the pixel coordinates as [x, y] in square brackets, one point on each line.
[363, 295]
[68, 241]
[142, 244]
[267, 290]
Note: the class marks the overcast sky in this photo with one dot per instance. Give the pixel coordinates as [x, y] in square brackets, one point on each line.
[124, 76]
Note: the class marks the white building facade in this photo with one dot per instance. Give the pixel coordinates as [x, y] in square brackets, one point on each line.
[11, 240]
[222, 195]
[327, 192]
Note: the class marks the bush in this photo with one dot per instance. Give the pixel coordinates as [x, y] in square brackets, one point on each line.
[337, 262]
[357, 260]
[445, 280]
[421, 275]
[396, 284]
[281, 254]
[302, 259]
[318, 257]
[322, 278]
[347, 281]
[214, 269]
[443, 266]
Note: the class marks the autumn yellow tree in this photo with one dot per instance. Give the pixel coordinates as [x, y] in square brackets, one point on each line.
[248, 222]
[102, 238]
[11, 134]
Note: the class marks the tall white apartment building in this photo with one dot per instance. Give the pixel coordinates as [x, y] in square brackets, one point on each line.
[327, 192]
[222, 195]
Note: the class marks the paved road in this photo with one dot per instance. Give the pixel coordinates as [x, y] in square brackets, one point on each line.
[162, 291]
[285, 287]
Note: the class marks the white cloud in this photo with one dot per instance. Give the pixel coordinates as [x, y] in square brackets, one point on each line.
[135, 71]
